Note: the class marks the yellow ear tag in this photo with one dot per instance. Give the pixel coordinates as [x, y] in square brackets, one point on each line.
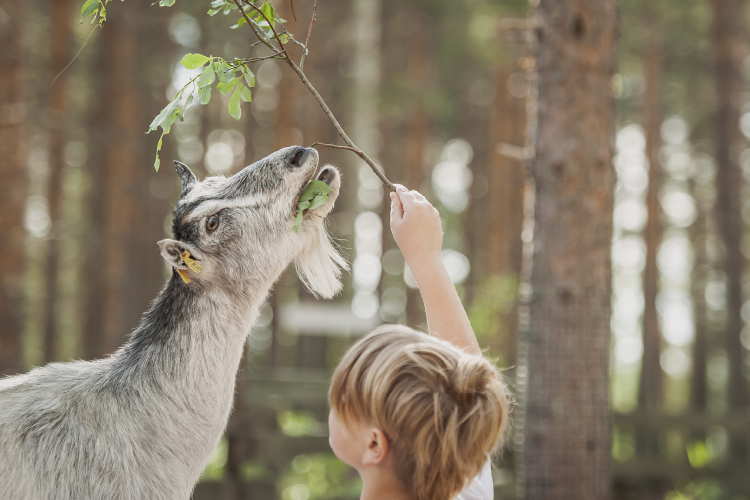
[184, 276]
[194, 266]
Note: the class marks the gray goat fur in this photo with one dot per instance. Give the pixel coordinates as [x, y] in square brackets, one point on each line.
[142, 423]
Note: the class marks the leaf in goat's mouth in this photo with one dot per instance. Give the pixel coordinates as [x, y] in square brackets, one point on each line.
[314, 195]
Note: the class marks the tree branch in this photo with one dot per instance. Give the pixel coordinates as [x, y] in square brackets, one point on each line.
[362, 155]
[309, 32]
[285, 56]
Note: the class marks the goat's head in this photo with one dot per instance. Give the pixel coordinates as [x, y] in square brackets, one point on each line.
[240, 228]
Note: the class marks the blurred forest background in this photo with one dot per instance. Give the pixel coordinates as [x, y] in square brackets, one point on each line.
[444, 95]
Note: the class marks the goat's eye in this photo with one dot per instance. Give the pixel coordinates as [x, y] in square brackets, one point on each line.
[212, 222]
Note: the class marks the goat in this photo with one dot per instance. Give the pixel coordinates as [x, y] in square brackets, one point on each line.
[142, 423]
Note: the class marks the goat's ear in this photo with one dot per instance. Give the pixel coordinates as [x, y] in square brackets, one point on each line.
[187, 177]
[319, 265]
[172, 250]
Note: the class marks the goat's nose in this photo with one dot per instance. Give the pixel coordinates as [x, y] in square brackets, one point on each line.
[299, 157]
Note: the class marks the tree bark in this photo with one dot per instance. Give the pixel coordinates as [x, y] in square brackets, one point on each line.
[698, 382]
[730, 51]
[60, 56]
[116, 136]
[13, 185]
[566, 441]
[650, 390]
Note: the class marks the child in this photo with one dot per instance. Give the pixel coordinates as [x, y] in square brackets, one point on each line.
[417, 415]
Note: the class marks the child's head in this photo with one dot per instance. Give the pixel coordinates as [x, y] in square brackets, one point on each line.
[439, 412]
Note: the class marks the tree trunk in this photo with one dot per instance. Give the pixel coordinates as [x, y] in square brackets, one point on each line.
[116, 136]
[506, 179]
[60, 56]
[730, 50]
[650, 388]
[698, 382]
[13, 184]
[566, 442]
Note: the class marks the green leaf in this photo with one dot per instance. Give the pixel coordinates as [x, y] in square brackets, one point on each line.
[284, 38]
[240, 22]
[88, 8]
[245, 93]
[297, 222]
[318, 201]
[207, 77]
[212, 12]
[164, 115]
[156, 163]
[269, 11]
[218, 3]
[224, 72]
[204, 94]
[234, 106]
[188, 102]
[166, 3]
[192, 61]
[227, 87]
[314, 195]
[249, 76]
[303, 205]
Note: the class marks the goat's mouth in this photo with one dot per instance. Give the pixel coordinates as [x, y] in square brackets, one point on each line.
[326, 175]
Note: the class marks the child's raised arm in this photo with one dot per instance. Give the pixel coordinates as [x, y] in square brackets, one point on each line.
[417, 230]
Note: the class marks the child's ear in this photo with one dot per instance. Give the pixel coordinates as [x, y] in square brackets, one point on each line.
[172, 250]
[377, 447]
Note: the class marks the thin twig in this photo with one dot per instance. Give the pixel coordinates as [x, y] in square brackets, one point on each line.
[291, 37]
[293, 14]
[285, 56]
[256, 29]
[270, 24]
[76, 56]
[309, 32]
[362, 155]
[243, 62]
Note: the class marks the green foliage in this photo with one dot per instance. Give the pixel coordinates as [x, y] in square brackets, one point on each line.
[94, 8]
[298, 423]
[314, 195]
[319, 476]
[264, 20]
[497, 295]
[215, 468]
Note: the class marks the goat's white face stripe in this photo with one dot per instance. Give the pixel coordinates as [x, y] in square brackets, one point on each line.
[210, 207]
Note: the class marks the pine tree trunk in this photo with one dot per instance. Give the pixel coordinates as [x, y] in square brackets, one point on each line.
[60, 56]
[12, 185]
[116, 138]
[698, 382]
[730, 51]
[650, 388]
[566, 442]
[506, 179]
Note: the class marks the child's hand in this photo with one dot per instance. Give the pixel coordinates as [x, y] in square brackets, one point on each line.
[416, 226]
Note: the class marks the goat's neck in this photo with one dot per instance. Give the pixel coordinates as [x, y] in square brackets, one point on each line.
[187, 350]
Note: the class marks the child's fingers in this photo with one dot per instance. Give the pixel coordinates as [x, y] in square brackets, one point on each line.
[419, 196]
[406, 197]
[397, 210]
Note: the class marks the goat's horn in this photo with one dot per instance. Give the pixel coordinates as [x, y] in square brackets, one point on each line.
[186, 176]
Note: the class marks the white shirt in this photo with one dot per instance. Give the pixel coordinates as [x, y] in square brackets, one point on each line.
[481, 487]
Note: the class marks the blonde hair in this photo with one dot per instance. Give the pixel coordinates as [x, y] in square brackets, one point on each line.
[443, 411]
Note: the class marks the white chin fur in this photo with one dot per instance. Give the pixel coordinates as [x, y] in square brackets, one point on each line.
[319, 265]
